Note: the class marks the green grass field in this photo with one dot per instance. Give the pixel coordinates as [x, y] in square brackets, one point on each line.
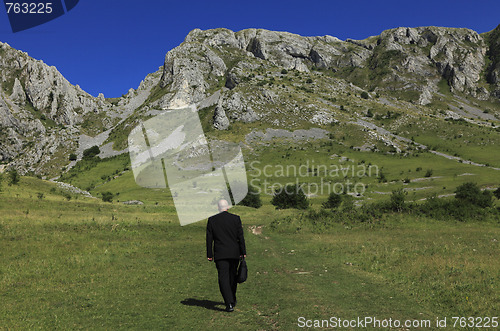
[86, 264]
[73, 262]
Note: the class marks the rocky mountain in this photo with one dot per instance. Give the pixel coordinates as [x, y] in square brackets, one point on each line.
[41, 113]
[254, 80]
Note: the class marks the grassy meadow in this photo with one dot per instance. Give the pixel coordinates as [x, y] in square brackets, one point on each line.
[80, 263]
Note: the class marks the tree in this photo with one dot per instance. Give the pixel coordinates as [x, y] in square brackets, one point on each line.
[252, 199]
[334, 201]
[91, 152]
[290, 196]
[471, 193]
[107, 196]
[13, 177]
[485, 199]
[496, 193]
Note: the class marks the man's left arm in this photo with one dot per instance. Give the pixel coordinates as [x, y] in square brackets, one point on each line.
[210, 240]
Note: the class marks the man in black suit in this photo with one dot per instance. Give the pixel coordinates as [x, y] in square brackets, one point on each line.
[225, 232]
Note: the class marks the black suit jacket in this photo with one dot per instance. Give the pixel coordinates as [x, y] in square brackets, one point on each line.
[225, 232]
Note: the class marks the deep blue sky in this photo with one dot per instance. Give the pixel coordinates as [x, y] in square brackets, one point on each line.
[109, 46]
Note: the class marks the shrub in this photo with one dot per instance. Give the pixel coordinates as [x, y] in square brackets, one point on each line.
[91, 152]
[486, 199]
[72, 157]
[284, 71]
[364, 95]
[428, 173]
[40, 195]
[470, 193]
[398, 200]
[290, 196]
[1, 180]
[334, 201]
[13, 177]
[252, 199]
[107, 196]
[496, 193]
[348, 204]
[369, 113]
[445, 209]
[309, 81]
[382, 178]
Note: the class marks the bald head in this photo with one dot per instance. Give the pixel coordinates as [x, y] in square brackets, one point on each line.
[223, 205]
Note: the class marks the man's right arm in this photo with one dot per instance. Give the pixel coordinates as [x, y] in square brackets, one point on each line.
[241, 239]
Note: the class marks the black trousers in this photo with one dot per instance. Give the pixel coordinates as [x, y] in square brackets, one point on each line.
[227, 270]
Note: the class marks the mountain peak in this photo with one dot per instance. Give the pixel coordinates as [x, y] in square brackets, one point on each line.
[252, 76]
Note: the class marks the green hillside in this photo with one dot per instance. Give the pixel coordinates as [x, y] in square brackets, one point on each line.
[88, 264]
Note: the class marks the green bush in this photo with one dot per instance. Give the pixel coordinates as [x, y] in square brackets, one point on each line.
[398, 200]
[374, 214]
[382, 178]
[364, 95]
[334, 201]
[347, 205]
[107, 196]
[470, 193]
[290, 196]
[284, 71]
[13, 177]
[91, 152]
[66, 195]
[446, 209]
[72, 157]
[252, 199]
[428, 173]
[496, 193]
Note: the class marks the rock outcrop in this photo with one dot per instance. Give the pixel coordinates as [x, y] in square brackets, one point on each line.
[40, 113]
[278, 78]
[414, 59]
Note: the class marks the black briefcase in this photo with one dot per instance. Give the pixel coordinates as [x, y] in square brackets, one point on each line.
[242, 271]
